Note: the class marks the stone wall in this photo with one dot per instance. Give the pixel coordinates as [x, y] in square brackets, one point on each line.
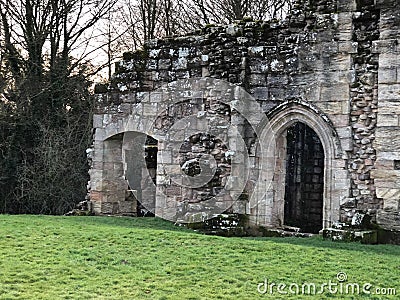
[386, 174]
[331, 64]
[363, 108]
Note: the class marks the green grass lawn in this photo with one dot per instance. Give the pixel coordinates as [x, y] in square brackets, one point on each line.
[44, 257]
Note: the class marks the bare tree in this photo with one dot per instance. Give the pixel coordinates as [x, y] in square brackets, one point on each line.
[45, 106]
[228, 11]
[142, 19]
[147, 19]
[55, 26]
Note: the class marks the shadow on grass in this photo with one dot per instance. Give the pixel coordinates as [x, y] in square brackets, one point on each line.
[316, 241]
[319, 242]
[163, 225]
[130, 222]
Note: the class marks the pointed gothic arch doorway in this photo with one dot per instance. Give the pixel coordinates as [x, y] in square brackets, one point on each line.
[304, 183]
[267, 203]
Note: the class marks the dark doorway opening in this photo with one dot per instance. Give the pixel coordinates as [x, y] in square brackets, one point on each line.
[304, 186]
[146, 207]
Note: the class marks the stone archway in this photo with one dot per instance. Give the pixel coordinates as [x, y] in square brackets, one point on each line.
[172, 115]
[268, 210]
[123, 173]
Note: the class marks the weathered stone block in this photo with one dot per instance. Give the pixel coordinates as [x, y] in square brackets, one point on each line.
[109, 208]
[97, 121]
[340, 120]
[164, 64]
[351, 235]
[387, 138]
[179, 64]
[96, 196]
[388, 193]
[388, 120]
[389, 107]
[100, 134]
[257, 79]
[336, 92]
[346, 6]
[127, 207]
[388, 60]
[388, 219]
[257, 51]
[150, 109]
[389, 91]
[330, 107]
[391, 204]
[387, 75]
[258, 66]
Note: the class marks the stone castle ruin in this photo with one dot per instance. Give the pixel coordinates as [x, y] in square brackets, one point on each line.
[293, 123]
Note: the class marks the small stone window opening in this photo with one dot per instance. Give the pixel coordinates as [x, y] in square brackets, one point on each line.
[397, 164]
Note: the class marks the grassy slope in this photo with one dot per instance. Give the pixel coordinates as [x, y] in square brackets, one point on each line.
[45, 257]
